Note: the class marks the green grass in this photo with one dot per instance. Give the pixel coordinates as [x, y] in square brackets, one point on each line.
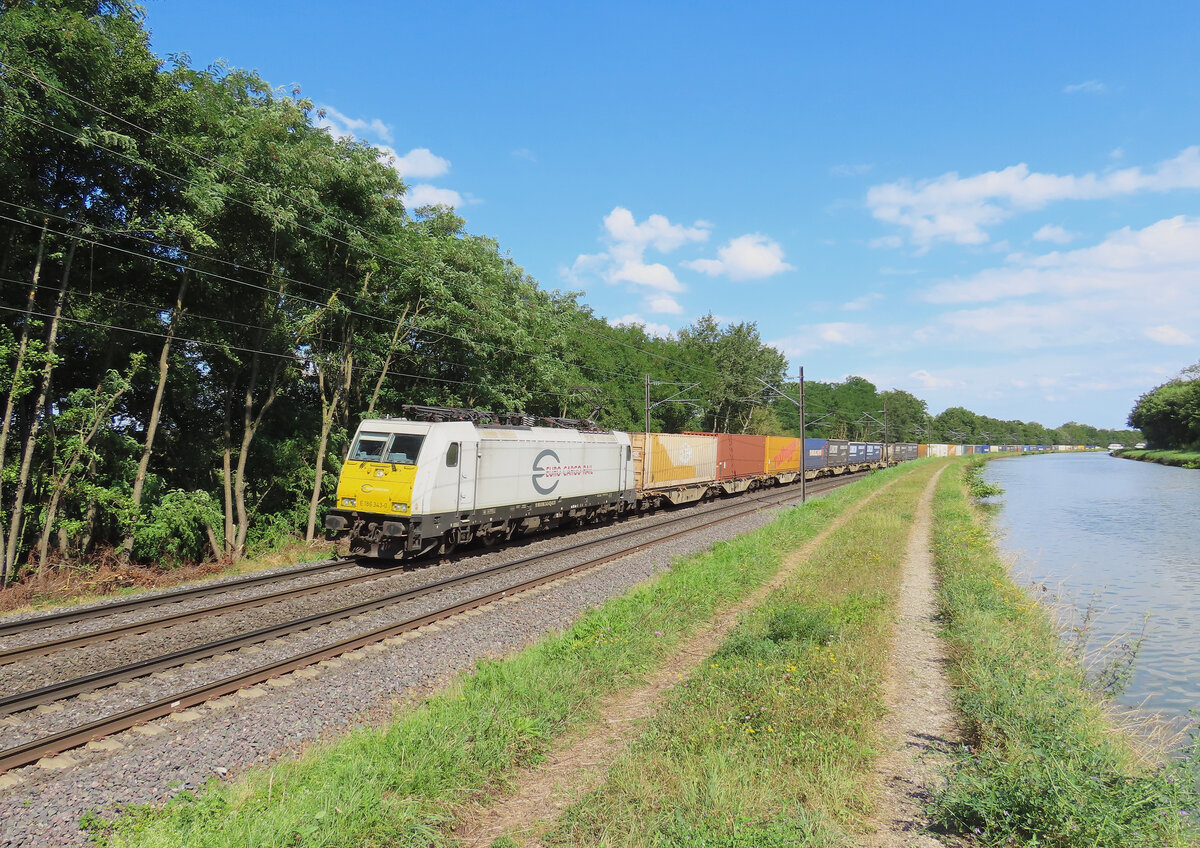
[1044, 765]
[404, 783]
[770, 742]
[1183, 459]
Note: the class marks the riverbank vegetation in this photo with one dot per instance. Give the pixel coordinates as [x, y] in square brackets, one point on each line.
[1169, 415]
[203, 290]
[1043, 765]
[1178, 458]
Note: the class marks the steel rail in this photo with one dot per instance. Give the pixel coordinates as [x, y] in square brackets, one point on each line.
[111, 633]
[102, 679]
[174, 596]
[107, 635]
[56, 743]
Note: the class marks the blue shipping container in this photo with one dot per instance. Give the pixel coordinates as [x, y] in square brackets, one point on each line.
[814, 454]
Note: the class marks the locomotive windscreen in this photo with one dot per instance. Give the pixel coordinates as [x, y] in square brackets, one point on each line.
[402, 448]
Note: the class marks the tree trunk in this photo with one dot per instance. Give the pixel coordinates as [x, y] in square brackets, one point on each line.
[59, 484]
[250, 424]
[227, 476]
[164, 360]
[387, 360]
[10, 402]
[14, 531]
[328, 414]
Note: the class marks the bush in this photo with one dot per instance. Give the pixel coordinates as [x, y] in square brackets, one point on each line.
[175, 531]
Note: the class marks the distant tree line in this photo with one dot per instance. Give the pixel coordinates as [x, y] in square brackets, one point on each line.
[203, 293]
[1169, 415]
[855, 409]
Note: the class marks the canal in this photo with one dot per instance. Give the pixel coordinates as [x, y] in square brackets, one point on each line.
[1120, 537]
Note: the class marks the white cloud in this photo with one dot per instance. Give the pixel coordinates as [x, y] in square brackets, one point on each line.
[814, 337]
[341, 126]
[1161, 258]
[1089, 87]
[652, 276]
[625, 259]
[1112, 296]
[1054, 233]
[861, 303]
[420, 163]
[928, 381]
[664, 303]
[748, 257]
[656, 231]
[960, 209]
[426, 195]
[633, 319]
[1168, 335]
[526, 154]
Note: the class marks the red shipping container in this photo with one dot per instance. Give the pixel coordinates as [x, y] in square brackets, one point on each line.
[740, 456]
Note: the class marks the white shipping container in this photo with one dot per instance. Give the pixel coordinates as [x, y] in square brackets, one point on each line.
[939, 450]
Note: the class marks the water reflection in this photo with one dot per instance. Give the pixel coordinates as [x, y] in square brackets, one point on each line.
[1124, 537]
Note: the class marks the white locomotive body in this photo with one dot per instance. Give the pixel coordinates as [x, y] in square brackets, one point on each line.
[408, 487]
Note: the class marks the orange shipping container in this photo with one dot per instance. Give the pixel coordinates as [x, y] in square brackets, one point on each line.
[740, 456]
[783, 454]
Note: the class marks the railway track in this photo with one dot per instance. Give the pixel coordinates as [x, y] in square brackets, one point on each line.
[35, 749]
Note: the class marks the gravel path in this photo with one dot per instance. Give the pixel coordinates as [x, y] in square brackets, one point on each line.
[920, 725]
[41, 805]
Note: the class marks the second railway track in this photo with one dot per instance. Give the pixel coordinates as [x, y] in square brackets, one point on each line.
[181, 697]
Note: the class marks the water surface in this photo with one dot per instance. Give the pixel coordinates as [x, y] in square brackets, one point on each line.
[1122, 537]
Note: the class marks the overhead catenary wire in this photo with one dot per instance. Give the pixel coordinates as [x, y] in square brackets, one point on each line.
[300, 339]
[294, 356]
[181, 265]
[348, 225]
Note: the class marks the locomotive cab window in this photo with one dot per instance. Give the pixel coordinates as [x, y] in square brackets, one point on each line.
[452, 455]
[404, 449]
[369, 447]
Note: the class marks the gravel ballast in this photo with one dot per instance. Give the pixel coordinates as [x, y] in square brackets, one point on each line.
[42, 804]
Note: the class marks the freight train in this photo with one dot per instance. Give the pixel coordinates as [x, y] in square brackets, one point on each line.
[438, 478]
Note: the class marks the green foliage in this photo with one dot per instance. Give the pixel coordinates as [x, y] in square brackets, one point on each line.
[1043, 767]
[1169, 414]
[977, 487]
[175, 530]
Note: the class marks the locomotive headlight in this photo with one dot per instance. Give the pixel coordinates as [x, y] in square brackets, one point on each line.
[349, 501]
[399, 507]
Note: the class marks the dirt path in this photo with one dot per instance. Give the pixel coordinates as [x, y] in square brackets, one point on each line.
[538, 795]
[920, 723]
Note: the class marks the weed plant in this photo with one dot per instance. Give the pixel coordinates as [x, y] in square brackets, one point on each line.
[403, 784]
[1044, 765]
[769, 742]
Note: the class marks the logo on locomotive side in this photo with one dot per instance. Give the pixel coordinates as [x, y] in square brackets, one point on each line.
[555, 470]
[539, 472]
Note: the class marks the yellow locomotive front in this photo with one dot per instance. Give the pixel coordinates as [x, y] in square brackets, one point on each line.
[375, 489]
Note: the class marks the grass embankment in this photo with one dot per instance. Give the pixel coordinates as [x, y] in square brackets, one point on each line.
[405, 783]
[1183, 459]
[1045, 766]
[109, 577]
[773, 740]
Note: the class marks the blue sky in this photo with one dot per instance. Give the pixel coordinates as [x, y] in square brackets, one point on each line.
[992, 208]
